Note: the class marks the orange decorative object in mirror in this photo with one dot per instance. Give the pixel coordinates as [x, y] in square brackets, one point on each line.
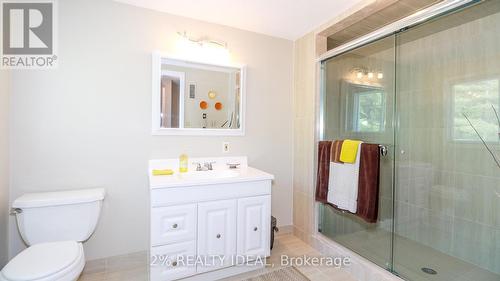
[203, 105]
[218, 106]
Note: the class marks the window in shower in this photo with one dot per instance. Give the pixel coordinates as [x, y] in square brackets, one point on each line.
[475, 100]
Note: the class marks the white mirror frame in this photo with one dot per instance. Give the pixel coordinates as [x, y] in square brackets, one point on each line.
[157, 130]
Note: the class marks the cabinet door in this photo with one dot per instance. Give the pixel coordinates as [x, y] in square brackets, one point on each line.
[254, 226]
[173, 224]
[171, 262]
[216, 234]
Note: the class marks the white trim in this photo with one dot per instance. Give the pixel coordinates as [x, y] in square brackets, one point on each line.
[157, 60]
[178, 61]
[156, 91]
[198, 132]
[416, 18]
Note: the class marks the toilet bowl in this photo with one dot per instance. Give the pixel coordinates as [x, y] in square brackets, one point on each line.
[62, 261]
[54, 225]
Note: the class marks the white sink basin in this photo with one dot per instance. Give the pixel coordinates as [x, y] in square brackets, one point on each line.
[214, 174]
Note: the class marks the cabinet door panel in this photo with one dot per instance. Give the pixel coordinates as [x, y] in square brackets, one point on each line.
[254, 226]
[173, 224]
[216, 234]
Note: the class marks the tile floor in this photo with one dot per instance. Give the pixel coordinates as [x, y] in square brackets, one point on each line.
[134, 267]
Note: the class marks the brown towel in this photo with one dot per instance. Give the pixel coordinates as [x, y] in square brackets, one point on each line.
[368, 188]
[328, 151]
[323, 174]
[335, 151]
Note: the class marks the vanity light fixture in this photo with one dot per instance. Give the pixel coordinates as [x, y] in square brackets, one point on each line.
[212, 95]
[361, 72]
[203, 41]
[202, 49]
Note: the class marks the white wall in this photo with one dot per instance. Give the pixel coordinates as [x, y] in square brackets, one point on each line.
[88, 123]
[4, 165]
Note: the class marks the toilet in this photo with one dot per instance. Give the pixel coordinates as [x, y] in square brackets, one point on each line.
[54, 225]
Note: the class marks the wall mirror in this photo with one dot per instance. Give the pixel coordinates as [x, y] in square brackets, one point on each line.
[193, 98]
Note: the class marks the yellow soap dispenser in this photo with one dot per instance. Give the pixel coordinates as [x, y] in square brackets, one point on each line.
[183, 163]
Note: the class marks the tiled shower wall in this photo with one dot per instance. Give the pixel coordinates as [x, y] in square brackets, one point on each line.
[303, 140]
[447, 191]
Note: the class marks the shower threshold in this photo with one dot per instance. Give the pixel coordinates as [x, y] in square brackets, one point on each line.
[411, 257]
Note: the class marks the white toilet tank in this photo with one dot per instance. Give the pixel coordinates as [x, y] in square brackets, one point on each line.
[58, 216]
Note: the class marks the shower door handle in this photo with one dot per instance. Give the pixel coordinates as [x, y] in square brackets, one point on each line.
[383, 150]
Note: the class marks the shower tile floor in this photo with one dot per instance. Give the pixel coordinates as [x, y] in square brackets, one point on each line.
[134, 267]
[412, 256]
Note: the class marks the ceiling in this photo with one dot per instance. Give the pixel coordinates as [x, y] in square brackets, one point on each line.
[289, 19]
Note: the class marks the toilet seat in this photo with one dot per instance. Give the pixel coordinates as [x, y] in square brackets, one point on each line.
[61, 261]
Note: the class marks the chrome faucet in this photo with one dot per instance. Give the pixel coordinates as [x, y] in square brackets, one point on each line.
[198, 166]
[207, 166]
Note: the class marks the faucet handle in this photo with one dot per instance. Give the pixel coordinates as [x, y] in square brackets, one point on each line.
[15, 211]
[208, 165]
[233, 165]
[198, 166]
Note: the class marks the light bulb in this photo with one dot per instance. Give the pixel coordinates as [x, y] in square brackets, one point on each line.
[380, 75]
[359, 75]
[370, 75]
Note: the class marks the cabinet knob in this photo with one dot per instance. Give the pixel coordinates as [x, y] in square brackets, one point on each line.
[255, 228]
[174, 225]
[174, 263]
[218, 236]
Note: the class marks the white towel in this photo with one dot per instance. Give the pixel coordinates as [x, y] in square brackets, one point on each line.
[343, 184]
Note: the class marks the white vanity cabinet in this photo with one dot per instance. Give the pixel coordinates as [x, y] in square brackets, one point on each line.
[206, 230]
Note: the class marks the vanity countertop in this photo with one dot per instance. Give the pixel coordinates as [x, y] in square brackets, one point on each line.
[220, 174]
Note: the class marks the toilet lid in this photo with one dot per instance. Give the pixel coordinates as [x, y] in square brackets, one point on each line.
[42, 260]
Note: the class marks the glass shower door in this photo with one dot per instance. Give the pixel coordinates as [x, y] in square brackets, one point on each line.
[358, 103]
[447, 192]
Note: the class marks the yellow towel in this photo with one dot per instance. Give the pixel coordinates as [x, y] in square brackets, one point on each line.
[349, 151]
[166, 172]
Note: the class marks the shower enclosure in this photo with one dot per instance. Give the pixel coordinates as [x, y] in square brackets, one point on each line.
[430, 94]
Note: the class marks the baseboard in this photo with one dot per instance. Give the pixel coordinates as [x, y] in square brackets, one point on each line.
[284, 230]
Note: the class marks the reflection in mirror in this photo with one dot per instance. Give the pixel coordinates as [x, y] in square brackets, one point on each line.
[172, 96]
[186, 86]
[366, 108]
